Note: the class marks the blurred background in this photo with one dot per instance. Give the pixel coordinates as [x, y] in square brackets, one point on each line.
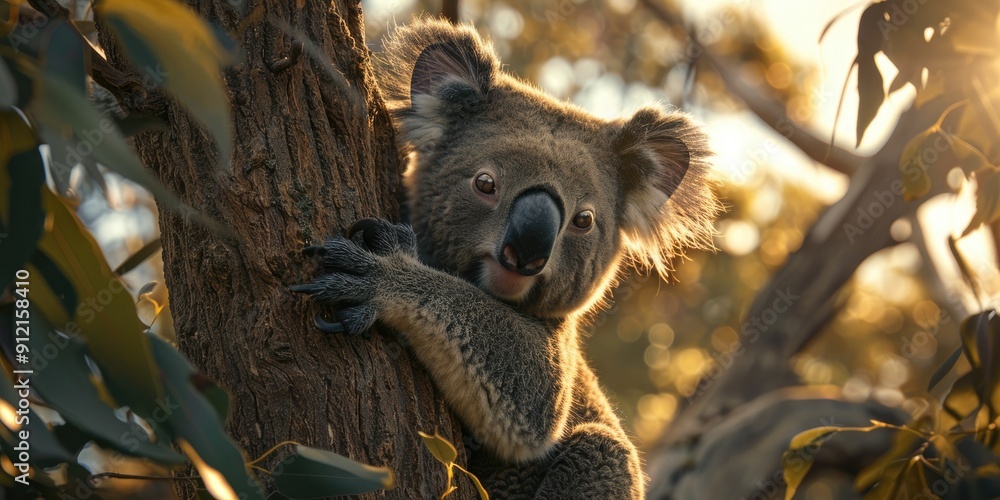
[657, 340]
[775, 85]
[897, 318]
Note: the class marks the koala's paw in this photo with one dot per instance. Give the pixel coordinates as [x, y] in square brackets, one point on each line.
[383, 237]
[350, 284]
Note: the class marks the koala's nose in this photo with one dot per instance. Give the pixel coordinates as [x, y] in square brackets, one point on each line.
[534, 223]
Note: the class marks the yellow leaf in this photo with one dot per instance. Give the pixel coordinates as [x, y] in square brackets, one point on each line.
[903, 445]
[944, 446]
[475, 480]
[440, 447]
[987, 198]
[797, 461]
[913, 165]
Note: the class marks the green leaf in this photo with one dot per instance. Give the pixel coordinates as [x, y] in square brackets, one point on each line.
[891, 480]
[944, 446]
[903, 446]
[944, 368]
[964, 154]
[64, 55]
[440, 447]
[194, 422]
[216, 396]
[8, 87]
[65, 59]
[148, 250]
[913, 168]
[313, 473]
[45, 448]
[963, 398]
[60, 106]
[987, 198]
[66, 383]
[106, 315]
[974, 333]
[870, 90]
[135, 123]
[55, 282]
[21, 183]
[871, 94]
[149, 33]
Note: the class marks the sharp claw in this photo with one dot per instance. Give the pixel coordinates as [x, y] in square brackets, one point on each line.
[361, 225]
[313, 250]
[309, 288]
[327, 327]
[365, 230]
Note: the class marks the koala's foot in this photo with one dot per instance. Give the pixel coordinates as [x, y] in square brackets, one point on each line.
[383, 237]
[349, 285]
[351, 272]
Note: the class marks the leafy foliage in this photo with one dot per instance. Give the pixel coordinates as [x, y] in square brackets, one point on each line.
[947, 52]
[90, 358]
[950, 453]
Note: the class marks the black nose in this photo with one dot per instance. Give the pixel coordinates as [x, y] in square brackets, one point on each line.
[534, 223]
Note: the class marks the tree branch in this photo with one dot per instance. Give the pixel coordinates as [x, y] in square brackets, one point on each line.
[128, 90]
[770, 110]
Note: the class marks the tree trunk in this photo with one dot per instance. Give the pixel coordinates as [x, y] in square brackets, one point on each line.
[313, 152]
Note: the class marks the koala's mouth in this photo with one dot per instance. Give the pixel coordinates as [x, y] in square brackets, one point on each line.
[504, 284]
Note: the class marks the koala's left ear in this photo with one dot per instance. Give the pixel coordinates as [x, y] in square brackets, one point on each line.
[665, 180]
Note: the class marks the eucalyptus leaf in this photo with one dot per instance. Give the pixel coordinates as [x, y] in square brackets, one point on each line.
[314, 473]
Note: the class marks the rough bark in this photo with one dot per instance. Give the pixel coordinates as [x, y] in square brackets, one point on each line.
[311, 155]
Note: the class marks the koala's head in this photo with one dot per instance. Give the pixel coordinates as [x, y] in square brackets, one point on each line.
[531, 198]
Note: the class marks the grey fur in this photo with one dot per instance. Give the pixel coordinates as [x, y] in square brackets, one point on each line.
[510, 364]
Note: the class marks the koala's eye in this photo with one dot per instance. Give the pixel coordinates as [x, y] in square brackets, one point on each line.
[485, 184]
[584, 219]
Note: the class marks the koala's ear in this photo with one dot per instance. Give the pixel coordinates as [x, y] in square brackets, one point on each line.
[458, 68]
[450, 80]
[665, 181]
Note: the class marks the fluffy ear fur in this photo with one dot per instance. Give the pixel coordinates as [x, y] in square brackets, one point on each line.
[669, 203]
[434, 72]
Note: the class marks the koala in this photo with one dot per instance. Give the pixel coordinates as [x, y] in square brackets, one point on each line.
[522, 211]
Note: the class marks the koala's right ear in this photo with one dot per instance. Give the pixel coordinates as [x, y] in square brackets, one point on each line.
[457, 70]
[450, 79]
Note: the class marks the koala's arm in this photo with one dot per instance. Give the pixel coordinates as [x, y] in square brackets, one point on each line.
[506, 374]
